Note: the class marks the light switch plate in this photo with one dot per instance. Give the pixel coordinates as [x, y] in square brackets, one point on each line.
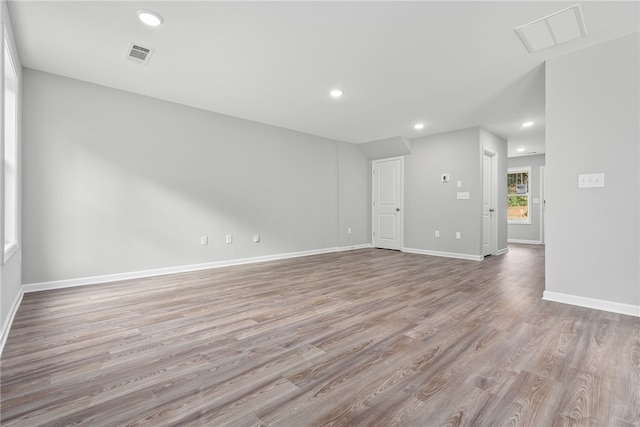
[591, 180]
[462, 195]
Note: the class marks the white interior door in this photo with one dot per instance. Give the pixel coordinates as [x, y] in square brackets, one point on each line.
[387, 203]
[488, 209]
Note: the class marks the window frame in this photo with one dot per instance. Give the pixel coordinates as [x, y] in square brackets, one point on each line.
[10, 166]
[514, 170]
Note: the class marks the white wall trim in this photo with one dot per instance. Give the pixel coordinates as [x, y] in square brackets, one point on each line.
[526, 242]
[443, 254]
[502, 251]
[354, 247]
[94, 280]
[4, 334]
[542, 196]
[598, 304]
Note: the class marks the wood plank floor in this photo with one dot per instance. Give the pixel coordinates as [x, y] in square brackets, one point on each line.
[362, 338]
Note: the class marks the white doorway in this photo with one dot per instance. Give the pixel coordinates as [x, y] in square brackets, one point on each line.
[388, 215]
[489, 198]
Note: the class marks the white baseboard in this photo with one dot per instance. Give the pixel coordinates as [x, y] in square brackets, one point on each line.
[598, 304]
[94, 280]
[354, 247]
[526, 242]
[4, 333]
[502, 251]
[443, 254]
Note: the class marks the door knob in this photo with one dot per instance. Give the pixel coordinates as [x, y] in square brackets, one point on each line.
[397, 209]
[491, 210]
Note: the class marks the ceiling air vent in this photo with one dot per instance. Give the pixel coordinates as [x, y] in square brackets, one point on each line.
[554, 29]
[138, 53]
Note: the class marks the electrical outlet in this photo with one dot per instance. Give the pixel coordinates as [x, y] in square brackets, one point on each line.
[348, 230]
[229, 238]
[437, 233]
[458, 235]
[204, 240]
[256, 238]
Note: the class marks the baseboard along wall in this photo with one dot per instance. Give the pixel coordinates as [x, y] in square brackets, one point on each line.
[12, 314]
[93, 280]
[597, 304]
[526, 242]
[443, 254]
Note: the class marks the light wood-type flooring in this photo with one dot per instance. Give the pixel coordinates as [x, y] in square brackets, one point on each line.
[362, 338]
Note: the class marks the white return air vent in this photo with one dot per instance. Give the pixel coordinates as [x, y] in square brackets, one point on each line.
[554, 29]
[138, 53]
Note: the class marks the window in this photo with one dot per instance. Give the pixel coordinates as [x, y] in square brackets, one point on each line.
[518, 191]
[10, 151]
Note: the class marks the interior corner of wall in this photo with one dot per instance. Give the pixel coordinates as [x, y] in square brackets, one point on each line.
[408, 143]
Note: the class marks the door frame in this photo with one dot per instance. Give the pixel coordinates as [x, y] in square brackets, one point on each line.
[373, 193]
[542, 204]
[493, 238]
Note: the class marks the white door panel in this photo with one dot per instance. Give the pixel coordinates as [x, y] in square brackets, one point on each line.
[387, 229]
[387, 182]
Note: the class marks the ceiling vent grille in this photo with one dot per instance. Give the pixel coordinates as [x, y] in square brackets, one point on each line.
[138, 53]
[554, 29]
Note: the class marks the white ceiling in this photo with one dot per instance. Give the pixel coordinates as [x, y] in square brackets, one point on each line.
[450, 65]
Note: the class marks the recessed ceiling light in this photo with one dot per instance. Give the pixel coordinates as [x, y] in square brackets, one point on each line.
[527, 124]
[336, 93]
[520, 150]
[150, 18]
[418, 126]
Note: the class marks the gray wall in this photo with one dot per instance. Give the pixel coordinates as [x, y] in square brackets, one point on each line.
[11, 268]
[529, 233]
[386, 148]
[592, 125]
[354, 190]
[431, 205]
[116, 182]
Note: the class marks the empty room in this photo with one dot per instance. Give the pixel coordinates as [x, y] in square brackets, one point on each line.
[313, 213]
